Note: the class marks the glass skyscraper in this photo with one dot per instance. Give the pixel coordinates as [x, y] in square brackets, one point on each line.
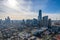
[40, 15]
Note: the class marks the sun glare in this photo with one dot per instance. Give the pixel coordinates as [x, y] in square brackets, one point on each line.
[12, 3]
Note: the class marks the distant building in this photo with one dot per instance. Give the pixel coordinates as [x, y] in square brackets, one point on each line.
[1, 37]
[40, 18]
[40, 15]
[23, 22]
[49, 23]
[15, 38]
[28, 22]
[45, 21]
[34, 22]
[7, 20]
[0, 21]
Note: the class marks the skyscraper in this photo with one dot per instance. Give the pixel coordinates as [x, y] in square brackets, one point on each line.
[40, 18]
[49, 23]
[7, 20]
[45, 21]
[40, 15]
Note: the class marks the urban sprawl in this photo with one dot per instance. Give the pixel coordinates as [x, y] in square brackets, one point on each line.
[42, 28]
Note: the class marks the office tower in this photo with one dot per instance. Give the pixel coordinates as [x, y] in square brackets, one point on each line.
[45, 21]
[49, 23]
[34, 22]
[40, 18]
[40, 15]
[7, 20]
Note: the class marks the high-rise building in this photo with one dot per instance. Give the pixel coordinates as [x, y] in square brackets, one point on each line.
[49, 23]
[45, 21]
[7, 20]
[40, 18]
[40, 15]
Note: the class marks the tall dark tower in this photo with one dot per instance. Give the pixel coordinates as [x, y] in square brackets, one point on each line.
[40, 15]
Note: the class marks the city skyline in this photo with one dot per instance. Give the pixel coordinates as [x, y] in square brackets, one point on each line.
[28, 9]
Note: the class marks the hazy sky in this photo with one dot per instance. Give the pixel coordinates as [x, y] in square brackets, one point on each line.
[28, 9]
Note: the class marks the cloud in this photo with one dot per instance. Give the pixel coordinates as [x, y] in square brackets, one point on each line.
[19, 9]
[23, 9]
